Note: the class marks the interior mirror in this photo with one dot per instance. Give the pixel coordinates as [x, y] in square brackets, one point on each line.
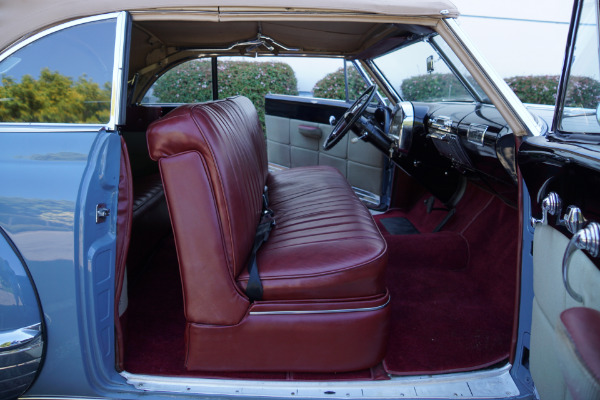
[430, 64]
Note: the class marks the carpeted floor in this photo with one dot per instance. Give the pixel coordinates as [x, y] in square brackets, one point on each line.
[452, 291]
[452, 298]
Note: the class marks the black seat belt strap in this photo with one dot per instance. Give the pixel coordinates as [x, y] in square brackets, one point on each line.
[254, 290]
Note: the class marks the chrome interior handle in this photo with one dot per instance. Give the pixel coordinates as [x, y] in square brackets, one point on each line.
[552, 204]
[585, 239]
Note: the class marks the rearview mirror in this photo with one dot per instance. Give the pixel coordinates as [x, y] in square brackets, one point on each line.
[430, 64]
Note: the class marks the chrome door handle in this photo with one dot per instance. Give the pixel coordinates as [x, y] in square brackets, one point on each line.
[585, 239]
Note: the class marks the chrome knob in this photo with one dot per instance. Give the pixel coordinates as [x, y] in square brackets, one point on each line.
[585, 239]
[574, 219]
[552, 205]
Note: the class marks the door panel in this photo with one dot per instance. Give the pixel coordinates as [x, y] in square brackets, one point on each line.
[550, 300]
[296, 130]
[571, 172]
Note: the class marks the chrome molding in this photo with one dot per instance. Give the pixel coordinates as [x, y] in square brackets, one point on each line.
[10, 340]
[117, 79]
[492, 383]
[118, 93]
[406, 130]
[587, 239]
[19, 45]
[344, 310]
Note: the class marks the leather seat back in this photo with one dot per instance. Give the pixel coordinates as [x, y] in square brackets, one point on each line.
[228, 136]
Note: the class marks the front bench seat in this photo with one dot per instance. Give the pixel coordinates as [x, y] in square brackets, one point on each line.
[325, 305]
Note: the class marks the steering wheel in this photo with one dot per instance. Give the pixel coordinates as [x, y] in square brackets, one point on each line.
[350, 118]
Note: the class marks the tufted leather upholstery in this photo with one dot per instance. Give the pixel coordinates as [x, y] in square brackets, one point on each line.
[325, 245]
[324, 254]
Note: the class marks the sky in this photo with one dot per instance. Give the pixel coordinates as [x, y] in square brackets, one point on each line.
[517, 37]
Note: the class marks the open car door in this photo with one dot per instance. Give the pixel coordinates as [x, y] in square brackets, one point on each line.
[561, 171]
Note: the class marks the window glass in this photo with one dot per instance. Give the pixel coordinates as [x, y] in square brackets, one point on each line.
[64, 77]
[191, 81]
[583, 84]
[418, 73]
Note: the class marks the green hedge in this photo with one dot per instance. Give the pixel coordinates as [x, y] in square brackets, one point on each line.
[433, 87]
[191, 82]
[540, 89]
[333, 86]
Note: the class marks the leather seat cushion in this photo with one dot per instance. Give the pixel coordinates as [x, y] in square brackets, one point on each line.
[325, 244]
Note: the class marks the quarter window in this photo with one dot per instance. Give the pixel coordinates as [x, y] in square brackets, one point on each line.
[581, 106]
[64, 77]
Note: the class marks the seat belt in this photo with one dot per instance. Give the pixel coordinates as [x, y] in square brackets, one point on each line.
[254, 289]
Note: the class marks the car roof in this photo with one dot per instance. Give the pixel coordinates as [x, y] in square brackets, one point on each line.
[20, 19]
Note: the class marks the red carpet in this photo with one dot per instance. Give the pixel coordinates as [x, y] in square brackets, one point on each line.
[452, 291]
[452, 299]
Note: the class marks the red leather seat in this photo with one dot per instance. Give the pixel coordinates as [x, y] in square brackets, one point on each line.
[324, 305]
[325, 245]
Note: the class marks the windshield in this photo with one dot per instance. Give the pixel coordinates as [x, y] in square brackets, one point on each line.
[427, 71]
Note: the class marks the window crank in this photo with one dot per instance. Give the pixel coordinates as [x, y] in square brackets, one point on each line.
[550, 205]
[585, 239]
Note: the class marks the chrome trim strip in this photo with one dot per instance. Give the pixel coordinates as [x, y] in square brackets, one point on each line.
[482, 384]
[346, 310]
[116, 98]
[47, 127]
[117, 81]
[511, 99]
[10, 340]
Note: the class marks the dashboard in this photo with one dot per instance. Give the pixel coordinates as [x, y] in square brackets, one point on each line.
[454, 141]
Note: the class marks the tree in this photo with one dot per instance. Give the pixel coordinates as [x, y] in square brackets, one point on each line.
[54, 98]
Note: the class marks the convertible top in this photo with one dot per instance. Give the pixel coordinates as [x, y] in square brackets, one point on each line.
[20, 19]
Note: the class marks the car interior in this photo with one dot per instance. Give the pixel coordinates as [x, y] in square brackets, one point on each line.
[420, 281]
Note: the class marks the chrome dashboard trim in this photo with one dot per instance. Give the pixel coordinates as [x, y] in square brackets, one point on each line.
[476, 134]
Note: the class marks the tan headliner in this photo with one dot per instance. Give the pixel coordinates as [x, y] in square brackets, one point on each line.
[19, 19]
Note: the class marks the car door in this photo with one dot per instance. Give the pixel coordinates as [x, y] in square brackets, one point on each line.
[297, 126]
[561, 171]
[59, 167]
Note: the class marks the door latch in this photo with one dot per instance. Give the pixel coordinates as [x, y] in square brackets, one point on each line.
[102, 212]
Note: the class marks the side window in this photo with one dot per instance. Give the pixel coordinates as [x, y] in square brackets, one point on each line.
[64, 77]
[333, 84]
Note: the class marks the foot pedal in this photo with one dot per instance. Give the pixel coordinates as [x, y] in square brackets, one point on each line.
[450, 214]
[429, 204]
